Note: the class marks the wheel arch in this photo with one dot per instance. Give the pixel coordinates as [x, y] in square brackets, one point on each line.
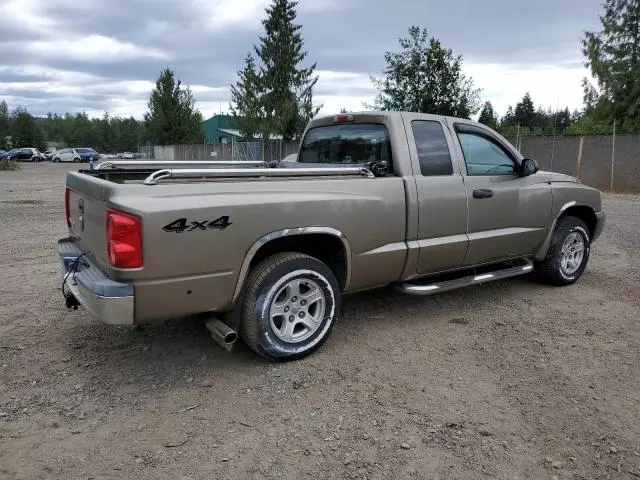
[583, 211]
[324, 243]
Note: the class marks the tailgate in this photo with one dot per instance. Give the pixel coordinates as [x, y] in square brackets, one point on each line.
[87, 208]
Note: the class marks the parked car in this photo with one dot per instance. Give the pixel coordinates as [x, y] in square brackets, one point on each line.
[66, 155]
[423, 202]
[25, 155]
[6, 155]
[49, 154]
[87, 154]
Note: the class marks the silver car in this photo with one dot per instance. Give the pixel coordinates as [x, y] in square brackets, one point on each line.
[66, 155]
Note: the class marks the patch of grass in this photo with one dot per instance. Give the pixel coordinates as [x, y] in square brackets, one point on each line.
[9, 165]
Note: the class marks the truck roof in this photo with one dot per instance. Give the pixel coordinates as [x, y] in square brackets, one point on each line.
[322, 119]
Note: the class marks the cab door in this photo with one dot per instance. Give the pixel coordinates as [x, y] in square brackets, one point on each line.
[508, 213]
[442, 201]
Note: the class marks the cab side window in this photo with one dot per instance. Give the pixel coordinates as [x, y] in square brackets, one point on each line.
[483, 156]
[433, 151]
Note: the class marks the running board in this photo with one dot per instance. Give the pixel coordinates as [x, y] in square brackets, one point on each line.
[430, 288]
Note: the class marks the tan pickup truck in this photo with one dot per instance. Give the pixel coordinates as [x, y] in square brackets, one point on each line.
[422, 202]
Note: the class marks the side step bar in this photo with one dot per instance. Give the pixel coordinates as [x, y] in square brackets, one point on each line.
[430, 288]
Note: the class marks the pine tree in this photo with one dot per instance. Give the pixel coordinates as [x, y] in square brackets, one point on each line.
[172, 117]
[245, 100]
[287, 86]
[613, 56]
[4, 124]
[276, 93]
[425, 77]
[509, 119]
[525, 114]
[26, 131]
[563, 120]
[488, 116]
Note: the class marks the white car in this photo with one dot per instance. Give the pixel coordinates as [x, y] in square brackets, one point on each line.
[66, 155]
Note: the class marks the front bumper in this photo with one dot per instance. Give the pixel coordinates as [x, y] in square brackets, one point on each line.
[111, 302]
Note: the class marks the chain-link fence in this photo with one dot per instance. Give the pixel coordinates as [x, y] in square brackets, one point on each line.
[250, 151]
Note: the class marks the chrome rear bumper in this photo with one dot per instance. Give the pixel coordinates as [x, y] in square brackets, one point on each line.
[111, 302]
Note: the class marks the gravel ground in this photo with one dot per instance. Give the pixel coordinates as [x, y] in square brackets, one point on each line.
[510, 380]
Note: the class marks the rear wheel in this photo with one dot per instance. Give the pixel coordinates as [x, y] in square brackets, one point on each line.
[568, 253]
[290, 306]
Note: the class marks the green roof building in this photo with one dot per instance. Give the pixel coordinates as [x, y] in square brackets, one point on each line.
[221, 129]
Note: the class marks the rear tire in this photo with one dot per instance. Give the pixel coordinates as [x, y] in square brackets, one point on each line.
[289, 307]
[568, 253]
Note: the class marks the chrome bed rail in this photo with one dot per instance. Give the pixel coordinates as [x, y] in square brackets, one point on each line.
[204, 173]
[177, 164]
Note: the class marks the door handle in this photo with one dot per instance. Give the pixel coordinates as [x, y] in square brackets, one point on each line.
[483, 193]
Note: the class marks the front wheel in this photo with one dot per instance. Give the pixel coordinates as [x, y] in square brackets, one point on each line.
[568, 253]
[290, 306]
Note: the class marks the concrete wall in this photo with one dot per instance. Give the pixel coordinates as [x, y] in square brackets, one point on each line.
[595, 165]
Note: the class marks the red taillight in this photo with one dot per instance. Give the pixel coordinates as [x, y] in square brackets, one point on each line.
[124, 240]
[343, 118]
[67, 211]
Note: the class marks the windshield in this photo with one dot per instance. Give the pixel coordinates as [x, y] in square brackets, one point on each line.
[354, 143]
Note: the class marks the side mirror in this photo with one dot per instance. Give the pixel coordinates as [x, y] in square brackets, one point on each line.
[528, 167]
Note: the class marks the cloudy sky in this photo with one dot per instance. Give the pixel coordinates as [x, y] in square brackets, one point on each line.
[104, 55]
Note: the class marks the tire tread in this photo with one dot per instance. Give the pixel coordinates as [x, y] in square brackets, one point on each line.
[547, 270]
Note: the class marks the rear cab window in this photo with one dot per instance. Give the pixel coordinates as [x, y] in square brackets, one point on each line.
[347, 144]
[432, 147]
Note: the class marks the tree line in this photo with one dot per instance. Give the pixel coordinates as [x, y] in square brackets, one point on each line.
[273, 93]
[171, 118]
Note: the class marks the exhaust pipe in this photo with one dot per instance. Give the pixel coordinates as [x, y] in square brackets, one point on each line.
[224, 335]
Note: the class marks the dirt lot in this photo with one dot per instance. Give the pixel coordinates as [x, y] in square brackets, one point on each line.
[511, 380]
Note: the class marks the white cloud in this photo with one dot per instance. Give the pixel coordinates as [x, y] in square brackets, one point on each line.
[224, 14]
[204, 41]
[26, 12]
[549, 86]
[94, 48]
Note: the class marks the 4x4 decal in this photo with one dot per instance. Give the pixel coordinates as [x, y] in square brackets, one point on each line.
[183, 225]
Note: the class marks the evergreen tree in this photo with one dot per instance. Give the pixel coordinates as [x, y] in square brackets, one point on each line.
[613, 56]
[525, 114]
[509, 119]
[563, 120]
[172, 117]
[277, 95]
[4, 124]
[488, 116]
[26, 131]
[246, 98]
[425, 77]
[287, 86]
